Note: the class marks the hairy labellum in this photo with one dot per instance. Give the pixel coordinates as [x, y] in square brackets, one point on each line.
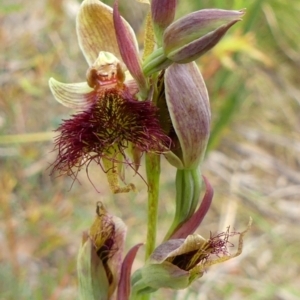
[105, 128]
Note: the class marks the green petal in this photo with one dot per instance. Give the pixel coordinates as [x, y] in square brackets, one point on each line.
[73, 95]
[96, 32]
[165, 275]
[92, 279]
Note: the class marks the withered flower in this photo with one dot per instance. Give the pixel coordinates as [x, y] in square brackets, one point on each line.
[111, 119]
[100, 257]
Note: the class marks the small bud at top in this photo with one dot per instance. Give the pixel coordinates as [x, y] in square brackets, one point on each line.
[163, 13]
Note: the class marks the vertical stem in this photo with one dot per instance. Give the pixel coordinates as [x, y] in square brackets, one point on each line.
[197, 182]
[184, 199]
[153, 174]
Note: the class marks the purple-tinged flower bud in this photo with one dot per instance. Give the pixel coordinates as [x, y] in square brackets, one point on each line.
[188, 107]
[196, 33]
[162, 13]
[100, 256]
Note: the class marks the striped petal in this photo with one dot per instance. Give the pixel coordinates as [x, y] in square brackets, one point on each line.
[95, 30]
[73, 95]
[188, 104]
[128, 48]
[194, 34]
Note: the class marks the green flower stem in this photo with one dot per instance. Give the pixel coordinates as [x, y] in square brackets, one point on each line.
[184, 196]
[138, 287]
[155, 62]
[197, 180]
[153, 174]
[188, 188]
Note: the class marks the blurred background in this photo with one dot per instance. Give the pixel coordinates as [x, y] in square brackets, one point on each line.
[253, 158]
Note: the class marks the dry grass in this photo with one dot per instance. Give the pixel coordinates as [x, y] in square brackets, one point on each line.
[253, 161]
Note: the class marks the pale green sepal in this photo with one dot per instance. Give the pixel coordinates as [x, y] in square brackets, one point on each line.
[174, 160]
[92, 278]
[73, 95]
[165, 275]
[155, 62]
[138, 286]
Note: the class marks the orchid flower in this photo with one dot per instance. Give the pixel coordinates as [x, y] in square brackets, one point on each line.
[115, 111]
[176, 263]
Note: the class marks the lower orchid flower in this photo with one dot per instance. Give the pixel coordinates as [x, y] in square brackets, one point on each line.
[185, 256]
[177, 263]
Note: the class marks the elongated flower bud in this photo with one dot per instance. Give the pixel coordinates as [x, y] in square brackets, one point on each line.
[190, 37]
[163, 13]
[189, 111]
[196, 33]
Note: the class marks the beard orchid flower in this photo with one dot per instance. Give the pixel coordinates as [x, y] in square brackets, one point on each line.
[178, 262]
[114, 110]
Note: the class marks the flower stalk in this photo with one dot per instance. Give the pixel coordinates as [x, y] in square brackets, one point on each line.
[153, 175]
[188, 189]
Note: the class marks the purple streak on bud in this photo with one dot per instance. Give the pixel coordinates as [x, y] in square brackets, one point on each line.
[128, 49]
[163, 12]
[188, 106]
[198, 47]
[124, 282]
[190, 226]
[191, 36]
